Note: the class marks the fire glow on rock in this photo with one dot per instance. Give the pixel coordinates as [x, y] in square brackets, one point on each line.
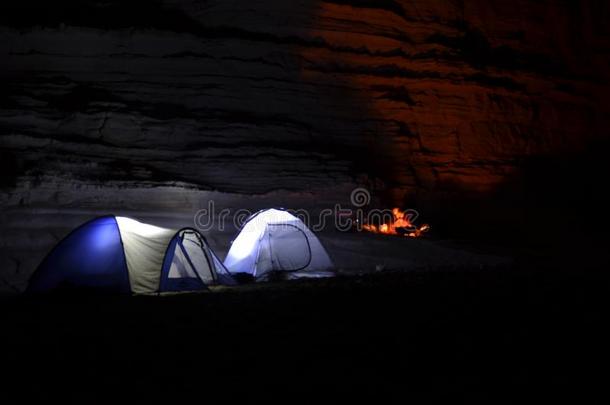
[401, 225]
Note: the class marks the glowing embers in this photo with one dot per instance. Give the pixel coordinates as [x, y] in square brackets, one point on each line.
[399, 223]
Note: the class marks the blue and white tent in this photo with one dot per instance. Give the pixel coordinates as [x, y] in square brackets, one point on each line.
[275, 241]
[123, 255]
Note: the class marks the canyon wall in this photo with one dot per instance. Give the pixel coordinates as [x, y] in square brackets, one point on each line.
[423, 102]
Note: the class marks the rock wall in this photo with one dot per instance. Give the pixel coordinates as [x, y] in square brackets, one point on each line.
[416, 94]
[423, 102]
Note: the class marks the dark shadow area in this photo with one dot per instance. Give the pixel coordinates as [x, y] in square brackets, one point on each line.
[9, 169]
[95, 13]
[480, 336]
[552, 201]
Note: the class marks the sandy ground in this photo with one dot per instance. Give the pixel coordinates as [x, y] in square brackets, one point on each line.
[29, 234]
[406, 321]
[484, 335]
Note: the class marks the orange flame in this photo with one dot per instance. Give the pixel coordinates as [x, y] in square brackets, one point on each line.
[400, 226]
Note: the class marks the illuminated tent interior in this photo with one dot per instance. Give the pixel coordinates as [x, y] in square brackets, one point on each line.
[275, 241]
[120, 254]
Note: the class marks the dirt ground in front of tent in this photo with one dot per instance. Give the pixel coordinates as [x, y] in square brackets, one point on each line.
[489, 335]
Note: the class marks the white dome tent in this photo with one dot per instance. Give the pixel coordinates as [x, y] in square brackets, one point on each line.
[275, 241]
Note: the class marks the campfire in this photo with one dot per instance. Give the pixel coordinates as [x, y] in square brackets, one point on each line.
[400, 225]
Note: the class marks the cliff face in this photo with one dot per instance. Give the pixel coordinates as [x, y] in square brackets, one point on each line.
[417, 100]
[429, 95]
